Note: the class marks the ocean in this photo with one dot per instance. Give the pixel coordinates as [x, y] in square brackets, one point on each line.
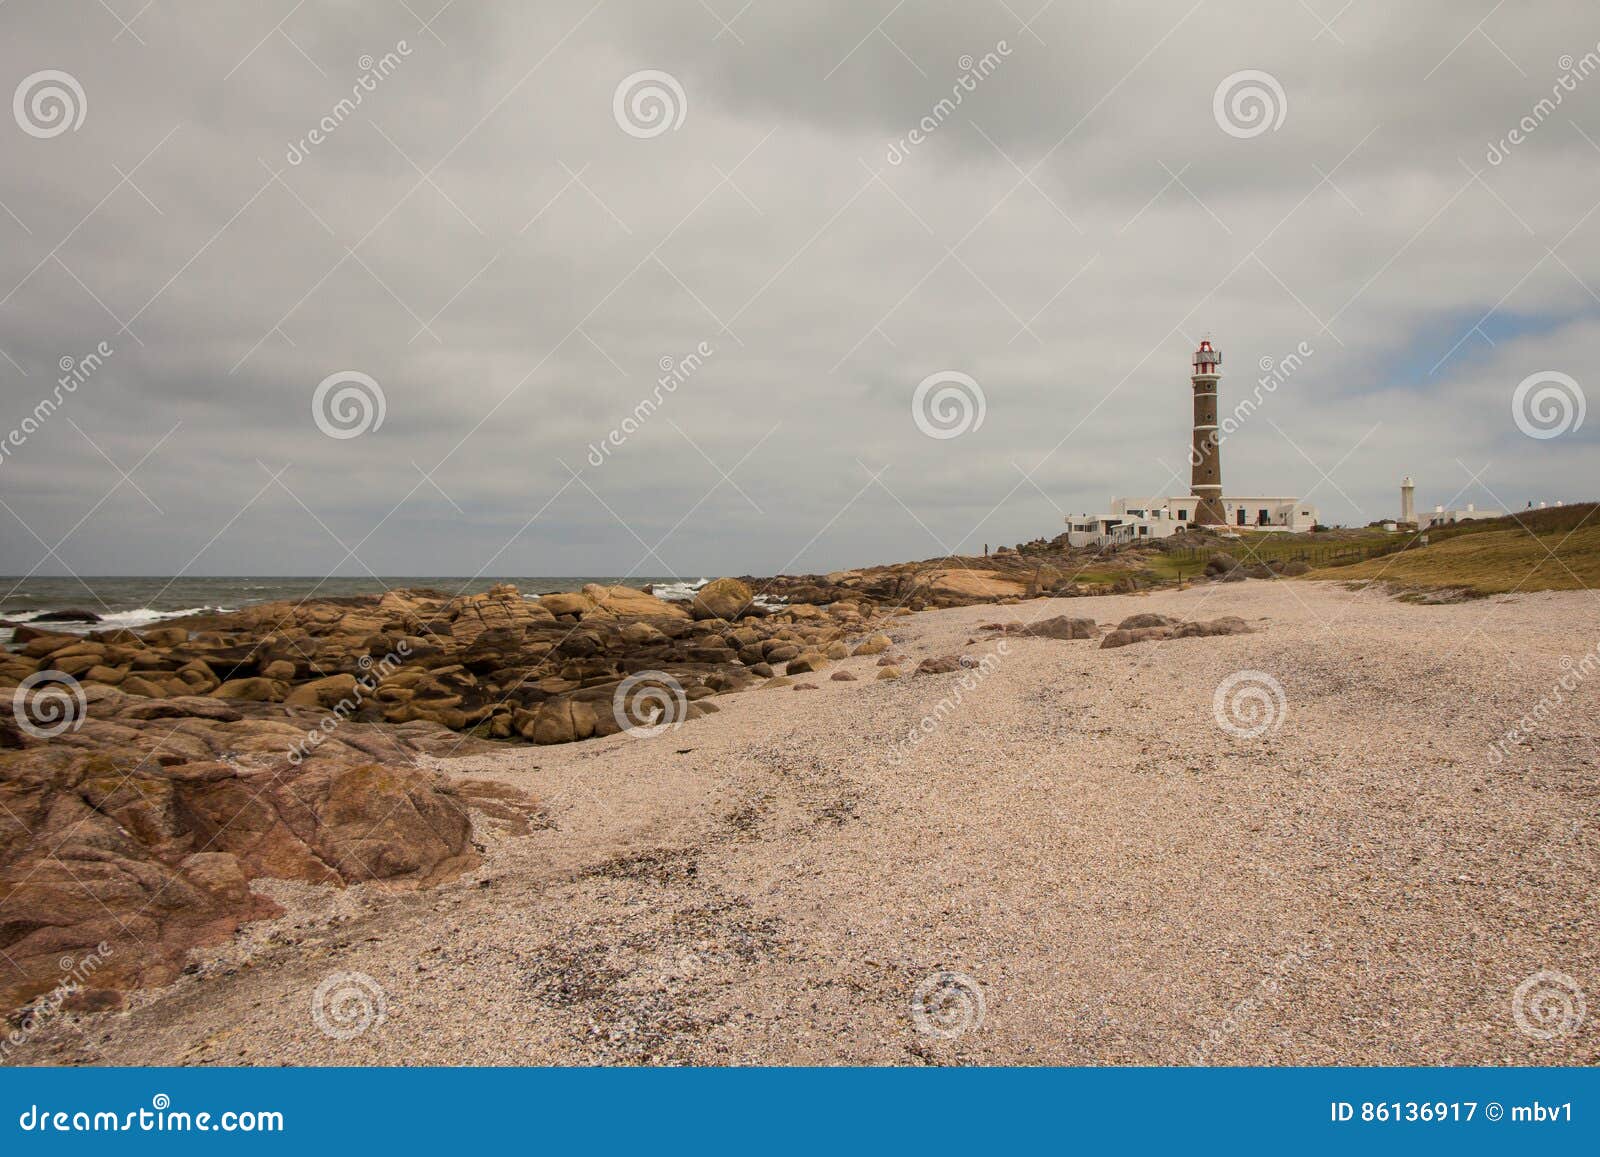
[140, 601]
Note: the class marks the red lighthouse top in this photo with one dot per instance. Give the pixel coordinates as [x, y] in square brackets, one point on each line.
[1206, 359]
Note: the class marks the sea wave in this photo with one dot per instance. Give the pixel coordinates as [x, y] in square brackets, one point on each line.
[677, 592]
[682, 592]
[133, 619]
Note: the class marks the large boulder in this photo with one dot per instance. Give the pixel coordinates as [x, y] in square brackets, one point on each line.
[1147, 619]
[726, 598]
[499, 614]
[1060, 627]
[377, 822]
[628, 602]
[255, 689]
[280, 669]
[1045, 578]
[962, 585]
[73, 615]
[1227, 625]
[325, 692]
[567, 603]
[134, 832]
[559, 721]
[806, 662]
[1144, 628]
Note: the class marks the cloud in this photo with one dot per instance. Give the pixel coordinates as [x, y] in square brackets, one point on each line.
[480, 236]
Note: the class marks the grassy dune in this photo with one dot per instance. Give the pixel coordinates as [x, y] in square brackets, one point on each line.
[1542, 550]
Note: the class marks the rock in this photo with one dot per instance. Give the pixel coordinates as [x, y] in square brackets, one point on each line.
[40, 645]
[166, 637]
[890, 661]
[875, 645]
[939, 665]
[888, 672]
[1060, 627]
[561, 721]
[801, 611]
[139, 685]
[962, 584]
[219, 873]
[641, 634]
[1045, 578]
[74, 665]
[200, 678]
[836, 651]
[256, 689]
[1227, 625]
[280, 669]
[1220, 563]
[567, 603]
[725, 598]
[326, 692]
[628, 602]
[1172, 629]
[761, 670]
[73, 615]
[805, 662]
[805, 686]
[372, 822]
[182, 707]
[137, 843]
[842, 677]
[1136, 622]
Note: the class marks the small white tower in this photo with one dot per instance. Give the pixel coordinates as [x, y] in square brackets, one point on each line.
[1408, 496]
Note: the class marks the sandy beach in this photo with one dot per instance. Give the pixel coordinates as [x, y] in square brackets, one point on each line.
[1122, 879]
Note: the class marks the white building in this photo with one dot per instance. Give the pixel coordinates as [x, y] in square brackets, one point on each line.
[1132, 519]
[1116, 529]
[1442, 517]
[1244, 513]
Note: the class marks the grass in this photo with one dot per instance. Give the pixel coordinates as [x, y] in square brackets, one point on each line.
[1556, 549]
[1252, 548]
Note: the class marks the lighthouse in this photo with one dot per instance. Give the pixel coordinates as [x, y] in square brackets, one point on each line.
[1205, 459]
[1408, 500]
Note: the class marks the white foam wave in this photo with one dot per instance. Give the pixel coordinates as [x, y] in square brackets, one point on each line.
[683, 592]
[134, 619]
[677, 592]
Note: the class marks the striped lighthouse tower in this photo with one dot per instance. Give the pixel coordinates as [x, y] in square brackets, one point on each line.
[1205, 458]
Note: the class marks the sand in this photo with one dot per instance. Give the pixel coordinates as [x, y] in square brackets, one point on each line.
[1122, 880]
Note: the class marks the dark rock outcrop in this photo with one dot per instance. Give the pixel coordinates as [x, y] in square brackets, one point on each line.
[142, 828]
[1143, 628]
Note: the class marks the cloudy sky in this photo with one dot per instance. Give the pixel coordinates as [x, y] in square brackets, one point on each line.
[512, 231]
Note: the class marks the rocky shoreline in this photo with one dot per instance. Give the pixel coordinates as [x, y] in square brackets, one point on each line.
[1070, 822]
[147, 778]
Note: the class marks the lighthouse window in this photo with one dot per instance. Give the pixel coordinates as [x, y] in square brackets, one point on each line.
[1241, 516]
[1183, 515]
